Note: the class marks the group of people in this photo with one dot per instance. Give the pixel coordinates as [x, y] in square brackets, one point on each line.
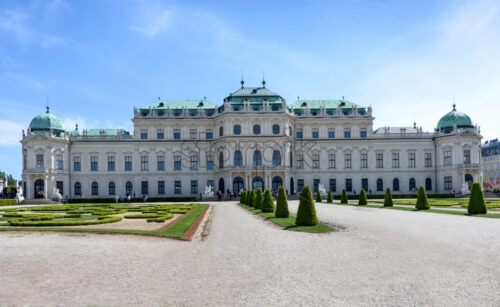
[128, 197]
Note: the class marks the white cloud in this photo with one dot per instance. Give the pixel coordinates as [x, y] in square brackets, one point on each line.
[153, 19]
[10, 133]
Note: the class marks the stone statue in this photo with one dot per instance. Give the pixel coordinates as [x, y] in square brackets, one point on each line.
[207, 192]
[465, 188]
[321, 189]
[1, 187]
[56, 195]
[19, 194]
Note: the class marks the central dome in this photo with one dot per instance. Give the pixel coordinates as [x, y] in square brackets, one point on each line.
[47, 121]
[452, 119]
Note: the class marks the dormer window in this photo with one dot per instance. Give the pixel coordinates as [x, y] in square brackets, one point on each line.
[161, 104]
[304, 104]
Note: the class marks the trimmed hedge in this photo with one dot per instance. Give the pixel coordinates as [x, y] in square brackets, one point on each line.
[259, 198]
[306, 213]
[100, 220]
[8, 202]
[362, 198]
[329, 198]
[134, 200]
[388, 198]
[343, 197]
[268, 202]
[318, 197]
[402, 196]
[422, 202]
[476, 200]
[243, 197]
[282, 204]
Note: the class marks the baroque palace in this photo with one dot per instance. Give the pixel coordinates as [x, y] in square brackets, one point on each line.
[254, 139]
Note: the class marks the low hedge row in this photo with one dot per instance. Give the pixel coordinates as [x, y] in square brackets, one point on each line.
[395, 196]
[8, 202]
[134, 199]
[100, 220]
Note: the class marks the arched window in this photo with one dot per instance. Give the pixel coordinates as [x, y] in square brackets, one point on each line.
[237, 129]
[78, 188]
[276, 158]
[257, 182]
[111, 188]
[257, 158]
[380, 185]
[221, 160]
[128, 187]
[412, 184]
[221, 131]
[276, 183]
[95, 188]
[428, 184]
[256, 129]
[276, 129]
[395, 185]
[238, 184]
[238, 161]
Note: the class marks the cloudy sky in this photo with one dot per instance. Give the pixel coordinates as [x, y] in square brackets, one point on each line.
[93, 61]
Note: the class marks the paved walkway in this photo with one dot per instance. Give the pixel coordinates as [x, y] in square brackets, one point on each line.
[382, 257]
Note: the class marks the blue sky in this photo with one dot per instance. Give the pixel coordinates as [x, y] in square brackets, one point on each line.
[95, 60]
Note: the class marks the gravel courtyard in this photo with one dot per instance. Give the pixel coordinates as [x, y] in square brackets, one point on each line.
[380, 257]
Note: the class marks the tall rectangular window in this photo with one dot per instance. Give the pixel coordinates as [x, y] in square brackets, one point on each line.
[411, 160]
[161, 187]
[428, 159]
[333, 184]
[364, 183]
[160, 134]
[331, 133]
[144, 163]
[161, 163]
[315, 133]
[94, 163]
[194, 186]
[77, 164]
[177, 134]
[347, 133]
[447, 183]
[298, 133]
[144, 187]
[128, 163]
[467, 156]
[39, 161]
[364, 160]
[177, 187]
[447, 158]
[315, 161]
[300, 185]
[144, 134]
[362, 133]
[59, 162]
[315, 185]
[347, 161]
[300, 161]
[380, 160]
[209, 134]
[111, 163]
[331, 161]
[348, 185]
[192, 134]
[177, 163]
[395, 160]
[194, 162]
[210, 162]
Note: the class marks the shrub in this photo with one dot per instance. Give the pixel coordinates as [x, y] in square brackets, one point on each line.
[422, 203]
[8, 202]
[476, 200]
[141, 216]
[318, 197]
[343, 198]
[306, 214]
[134, 199]
[362, 198]
[268, 203]
[258, 199]
[329, 198]
[242, 197]
[388, 198]
[100, 220]
[251, 199]
[282, 204]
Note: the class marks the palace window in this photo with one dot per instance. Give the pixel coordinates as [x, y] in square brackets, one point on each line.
[315, 133]
[177, 187]
[331, 133]
[111, 163]
[348, 185]
[144, 163]
[128, 187]
[194, 186]
[347, 161]
[380, 185]
[362, 133]
[237, 129]
[144, 187]
[315, 161]
[95, 188]
[412, 184]
[411, 160]
[192, 134]
[300, 161]
[256, 129]
[276, 129]
[39, 161]
[59, 162]
[447, 183]
[395, 185]
[467, 156]
[161, 187]
[209, 134]
[210, 162]
[238, 158]
[177, 163]
[300, 184]
[380, 160]
[315, 185]
[161, 163]
[111, 188]
[395, 160]
[194, 162]
[257, 158]
[276, 158]
[364, 160]
[221, 131]
[211, 183]
[428, 160]
[160, 134]
[144, 134]
[447, 158]
[128, 163]
[78, 188]
[221, 160]
[347, 133]
[93, 163]
[331, 161]
[364, 184]
[77, 164]
[177, 134]
[428, 184]
[333, 185]
[298, 133]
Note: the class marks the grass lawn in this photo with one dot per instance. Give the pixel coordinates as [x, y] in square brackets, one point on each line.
[289, 222]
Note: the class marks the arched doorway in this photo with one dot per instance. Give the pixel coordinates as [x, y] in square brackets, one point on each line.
[39, 188]
[238, 184]
[469, 179]
[292, 188]
[257, 182]
[276, 183]
[221, 185]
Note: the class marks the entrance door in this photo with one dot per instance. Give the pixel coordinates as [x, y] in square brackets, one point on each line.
[237, 184]
[257, 182]
[221, 185]
[292, 188]
[469, 180]
[39, 189]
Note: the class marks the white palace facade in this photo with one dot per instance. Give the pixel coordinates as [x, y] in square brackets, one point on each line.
[254, 139]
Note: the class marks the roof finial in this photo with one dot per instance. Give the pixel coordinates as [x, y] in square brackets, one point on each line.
[263, 80]
[48, 108]
[242, 81]
[298, 98]
[76, 127]
[454, 105]
[342, 97]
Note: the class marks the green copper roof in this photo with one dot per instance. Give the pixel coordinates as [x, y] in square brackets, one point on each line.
[454, 118]
[100, 132]
[45, 122]
[181, 104]
[327, 104]
[253, 94]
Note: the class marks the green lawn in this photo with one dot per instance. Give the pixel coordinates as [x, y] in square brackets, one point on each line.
[289, 223]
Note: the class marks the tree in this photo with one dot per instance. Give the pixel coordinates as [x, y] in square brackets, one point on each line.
[343, 197]
[318, 197]
[268, 203]
[242, 197]
[329, 198]
[306, 214]
[282, 204]
[388, 198]
[422, 202]
[476, 200]
[258, 199]
[251, 199]
[362, 198]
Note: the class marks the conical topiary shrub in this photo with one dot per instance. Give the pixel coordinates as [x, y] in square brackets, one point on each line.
[343, 197]
[329, 198]
[258, 199]
[362, 198]
[268, 203]
[388, 198]
[242, 197]
[318, 197]
[422, 202]
[476, 200]
[282, 204]
[306, 214]
[251, 198]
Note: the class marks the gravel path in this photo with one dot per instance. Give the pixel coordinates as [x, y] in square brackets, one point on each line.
[382, 257]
